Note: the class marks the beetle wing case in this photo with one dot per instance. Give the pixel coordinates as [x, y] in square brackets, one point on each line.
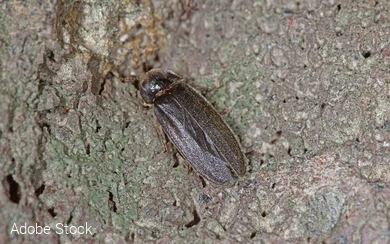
[195, 128]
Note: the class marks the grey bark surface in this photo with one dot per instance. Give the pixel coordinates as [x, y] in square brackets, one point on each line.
[305, 85]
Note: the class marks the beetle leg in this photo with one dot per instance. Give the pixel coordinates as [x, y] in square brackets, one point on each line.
[225, 112]
[161, 135]
[205, 90]
[177, 160]
[189, 168]
[132, 79]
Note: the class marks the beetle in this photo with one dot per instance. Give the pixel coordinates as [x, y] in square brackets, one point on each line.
[193, 125]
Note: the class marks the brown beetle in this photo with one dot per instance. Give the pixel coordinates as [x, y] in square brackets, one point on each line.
[195, 128]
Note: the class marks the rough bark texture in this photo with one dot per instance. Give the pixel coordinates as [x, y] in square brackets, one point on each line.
[305, 85]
